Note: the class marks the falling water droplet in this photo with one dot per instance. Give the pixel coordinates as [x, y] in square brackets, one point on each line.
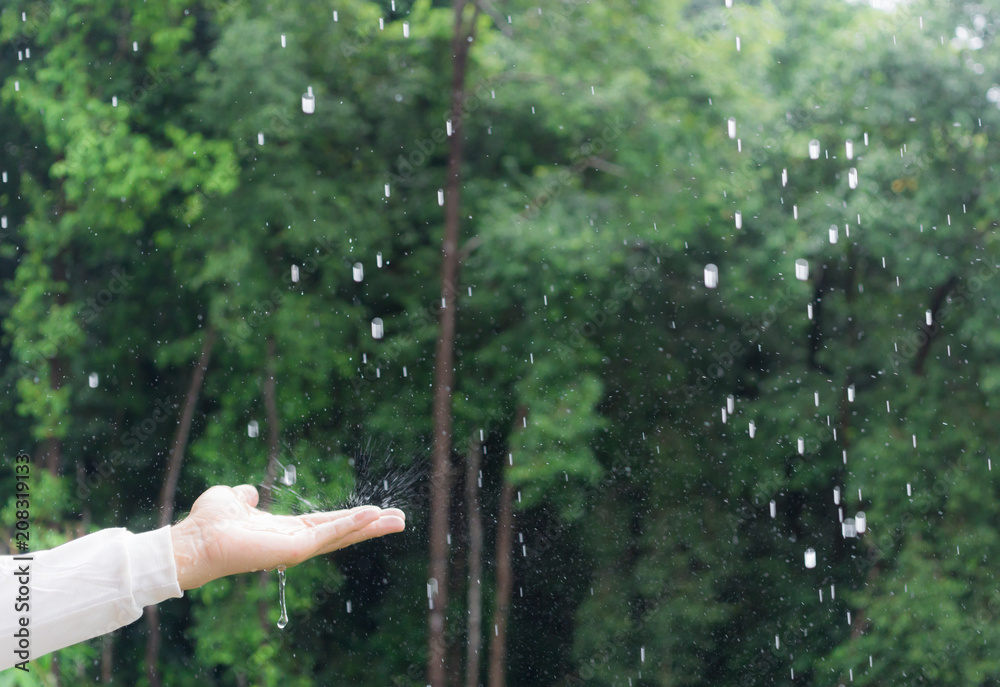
[253, 429]
[833, 233]
[810, 558]
[309, 101]
[739, 219]
[295, 273]
[283, 620]
[377, 328]
[802, 269]
[440, 196]
[260, 138]
[929, 318]
[814, 147]
[802, 446]
[850, 393]
[774, 508]
[406, 29]
[849, 149]
[358, 272]
[752, 429]
[731, 404]
[860, 522]
[836, 496]
[93, 380]
[732, 127]
[284, 43]
[387, 190]
[378, 260]
[852, 177]
[289, 476]
[848, 528]
[909, 489]
[711, 276]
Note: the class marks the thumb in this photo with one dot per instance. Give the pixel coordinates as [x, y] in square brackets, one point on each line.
[248, 494]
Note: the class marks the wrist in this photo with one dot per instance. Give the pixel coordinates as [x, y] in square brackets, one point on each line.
[187, 556]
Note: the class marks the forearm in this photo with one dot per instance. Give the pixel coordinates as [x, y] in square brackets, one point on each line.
[88, 587]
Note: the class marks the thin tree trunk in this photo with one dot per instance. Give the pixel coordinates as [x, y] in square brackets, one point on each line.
[444, 373]
[475, 597]
[169, 492]
[271, 474]
[505, 582]
[497, 676]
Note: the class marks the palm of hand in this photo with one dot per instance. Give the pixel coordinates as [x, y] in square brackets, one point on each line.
[225, 534]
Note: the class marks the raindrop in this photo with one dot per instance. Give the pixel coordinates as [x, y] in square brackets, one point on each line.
[731, 404]
[833, 233]
[810, 558]
[774, 508]
[309, 101]
[359, 272]
[929, 318]
[909, 489]
[447, 126]
[777, 642]
[848, 528]
[387, 190]
[406, 29]
[283, 42]
[739, 219]
[836, 496]
[114, 101]
[348, 606]
[440, 196]
[849, 149]
[289, 476]
[784, 177]
[850, 393]
[3, 222]
[732, 127]
[260, 138]
[5, 177]
[752, 429]
[377, 328]
[378, 260]
[814, 146]
[253, 429]
[802, 269]
[795, 212]
[93, 380]
[642, 654]
[860, 522]
[295, 273]
[852, 177]
[802, 446]
[711, 276]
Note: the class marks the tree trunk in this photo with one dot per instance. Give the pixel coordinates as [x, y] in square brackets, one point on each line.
[497, 676]
[169, 491]
[444, 373]
[271, 473]
[505, 583]
[475, 597]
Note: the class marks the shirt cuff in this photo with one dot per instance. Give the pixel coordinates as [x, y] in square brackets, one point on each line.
[152, 568]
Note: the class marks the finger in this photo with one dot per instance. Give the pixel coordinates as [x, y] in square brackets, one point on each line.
[316, 519]
[329, 533]
[248, 494]
[386, 524]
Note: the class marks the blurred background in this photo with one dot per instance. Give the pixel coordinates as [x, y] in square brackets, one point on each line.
[672, 324]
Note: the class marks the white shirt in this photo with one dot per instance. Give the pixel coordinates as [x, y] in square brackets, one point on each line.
[82, 589]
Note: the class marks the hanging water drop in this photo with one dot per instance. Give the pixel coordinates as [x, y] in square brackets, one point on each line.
[283, 620]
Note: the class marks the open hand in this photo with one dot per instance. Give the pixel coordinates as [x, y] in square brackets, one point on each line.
[225, 534]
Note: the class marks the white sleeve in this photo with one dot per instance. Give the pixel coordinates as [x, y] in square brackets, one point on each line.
[82, 589]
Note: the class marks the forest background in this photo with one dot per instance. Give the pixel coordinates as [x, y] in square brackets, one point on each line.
[628, 304]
